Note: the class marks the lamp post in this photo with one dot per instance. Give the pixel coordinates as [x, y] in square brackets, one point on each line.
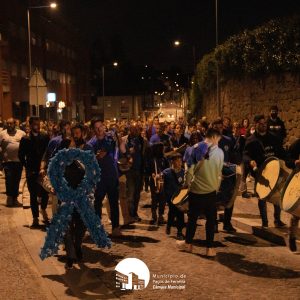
[52, 5]
[217, 66]
[115, 64]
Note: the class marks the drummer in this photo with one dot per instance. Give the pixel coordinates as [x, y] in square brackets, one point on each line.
[173, 181]
[292, 162]
[259, 146]
[203, 180]
[228, 184]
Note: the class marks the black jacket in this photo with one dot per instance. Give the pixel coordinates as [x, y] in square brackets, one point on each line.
[31, 151]
[293, 154]
[276, 128]
[260, 147]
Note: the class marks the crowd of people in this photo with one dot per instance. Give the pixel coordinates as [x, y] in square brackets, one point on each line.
[159, 158]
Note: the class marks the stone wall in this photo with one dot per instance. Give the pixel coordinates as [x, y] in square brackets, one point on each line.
[240, 99]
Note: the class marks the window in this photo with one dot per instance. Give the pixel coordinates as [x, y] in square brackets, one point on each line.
[14, 69]
[48, 74]
[22, 34]
[54, 75]
[24, 71]
[47, 45]
[13, 29]
[62, 77]
[38, 41]
[68, 78]
[33, 40]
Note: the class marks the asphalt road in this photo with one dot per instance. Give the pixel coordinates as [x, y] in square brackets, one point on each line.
[245, 267]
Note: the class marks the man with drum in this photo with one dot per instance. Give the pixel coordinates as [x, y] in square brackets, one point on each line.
[259, 146]
[228, 184]
[203, 181]
[293, 162]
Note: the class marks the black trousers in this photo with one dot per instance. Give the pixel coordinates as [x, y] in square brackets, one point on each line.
[111, 189]
[134, 179]
[199, 203]
[36, 190]
[74, 235]
[262, 205]
[175, 213]
[13, 172]
[157, 200]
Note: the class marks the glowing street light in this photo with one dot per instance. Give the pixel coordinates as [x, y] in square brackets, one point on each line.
[52, 5]
[176, 43]
[115, 64]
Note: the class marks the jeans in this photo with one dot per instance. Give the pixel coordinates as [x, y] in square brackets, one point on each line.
[173, 213]
[74, 235]
[36, 190]
[201, 203]
[13, 172]
[134, 180]
[111, 188]
[262, 205]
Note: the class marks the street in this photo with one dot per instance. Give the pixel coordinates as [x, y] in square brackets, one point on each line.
[246, 267]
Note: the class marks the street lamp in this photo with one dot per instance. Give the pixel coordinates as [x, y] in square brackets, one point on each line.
[177, 43]
[115, 64]
[217, 66]
[52, 5]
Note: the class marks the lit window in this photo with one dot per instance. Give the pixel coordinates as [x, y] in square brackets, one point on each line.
[33, 39]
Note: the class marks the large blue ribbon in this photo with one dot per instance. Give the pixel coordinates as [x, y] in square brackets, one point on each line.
[73, 198]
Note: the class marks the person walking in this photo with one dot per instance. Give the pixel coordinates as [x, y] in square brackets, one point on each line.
[31, 152]
[203, 180]
[9, 143]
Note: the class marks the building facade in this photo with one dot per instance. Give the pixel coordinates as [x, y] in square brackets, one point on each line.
[57, 52]
[118, 107]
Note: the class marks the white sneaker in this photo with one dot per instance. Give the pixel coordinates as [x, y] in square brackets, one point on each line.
[182, 245]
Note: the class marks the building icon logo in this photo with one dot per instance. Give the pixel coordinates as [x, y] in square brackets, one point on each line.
[132, 274]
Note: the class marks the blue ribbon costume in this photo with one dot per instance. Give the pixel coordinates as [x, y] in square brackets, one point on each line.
[73, 198]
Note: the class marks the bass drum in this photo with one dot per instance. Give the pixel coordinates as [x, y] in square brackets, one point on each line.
[181, 200]
[290, 201]
[227, 192]
[270, 180]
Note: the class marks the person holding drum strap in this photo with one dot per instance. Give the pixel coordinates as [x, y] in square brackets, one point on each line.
[293, 162]
[228, 183]
[203, 183]
[173, 181]
[259, 146]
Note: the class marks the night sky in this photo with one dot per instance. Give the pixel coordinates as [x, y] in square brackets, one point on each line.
[142, 31]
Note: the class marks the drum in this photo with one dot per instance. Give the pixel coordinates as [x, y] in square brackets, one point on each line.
[290, 201]
[181, 200]
[270, 180]
[226, 194]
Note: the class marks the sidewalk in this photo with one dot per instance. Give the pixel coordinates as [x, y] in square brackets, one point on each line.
[247, 218]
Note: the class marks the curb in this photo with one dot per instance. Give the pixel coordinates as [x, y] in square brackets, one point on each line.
[272, 235]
